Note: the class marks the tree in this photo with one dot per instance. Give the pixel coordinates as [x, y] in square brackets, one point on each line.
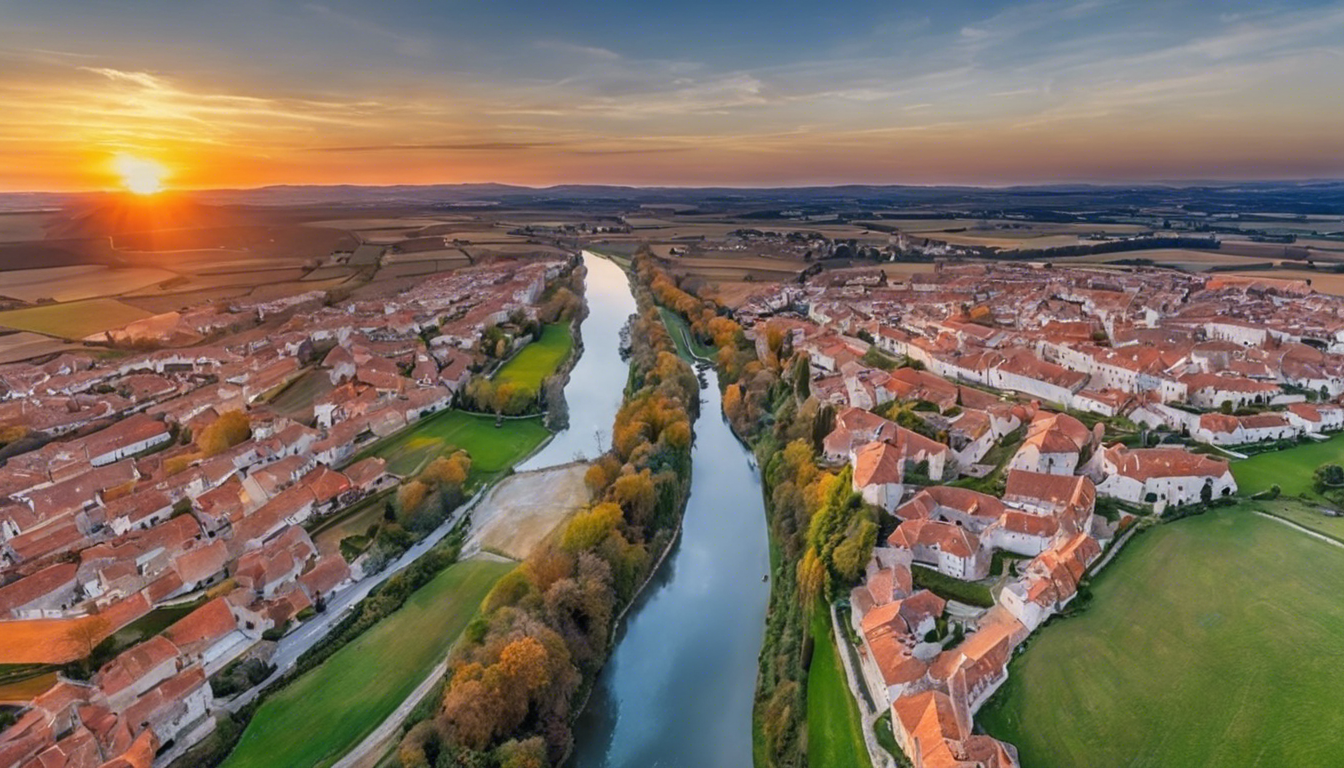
[450, 472]
[529, 753]
[175, 464]
[1328, 476]
[802, 378]
[852, 554]
[230, 429]
[481, 393]
[410, 497]
[588, 529]
[600, 474]
[732, 403]
[678, 435]
[811, 578]
[471, 711]
[636, 495]
[523, 664]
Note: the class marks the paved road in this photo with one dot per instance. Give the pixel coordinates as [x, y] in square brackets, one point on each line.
[296, 643]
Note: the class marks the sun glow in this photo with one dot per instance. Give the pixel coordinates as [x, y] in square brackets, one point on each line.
[140, 175]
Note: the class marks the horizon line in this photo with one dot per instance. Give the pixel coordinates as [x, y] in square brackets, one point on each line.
[1174, 183]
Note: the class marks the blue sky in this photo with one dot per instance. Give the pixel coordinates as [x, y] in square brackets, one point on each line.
[251, 92]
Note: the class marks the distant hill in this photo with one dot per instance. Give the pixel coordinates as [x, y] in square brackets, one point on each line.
[105, 213]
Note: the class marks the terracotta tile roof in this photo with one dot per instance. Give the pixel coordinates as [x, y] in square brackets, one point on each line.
[1143, 464]
[139, 755]
[203, 627]
[325, 575]
[963, 500]
[325, 484]
[877, 464]
[200, 563]
[163, 698]
[49, 580]
[133, 664]
[1057, 491]
[945, 537]
[126, 432]
[364, 473]
[1057, 433]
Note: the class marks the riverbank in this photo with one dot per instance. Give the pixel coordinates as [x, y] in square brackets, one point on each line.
[703, 610]
[768, 404]
[640, 489]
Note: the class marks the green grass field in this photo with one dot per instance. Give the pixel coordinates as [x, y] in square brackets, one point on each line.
[834, 733]
[1214, 640]
[493, 449]
[538, 360]
[72, 320]
[324, 713]
[1305, 514]
[687, 345]
[1291, 470]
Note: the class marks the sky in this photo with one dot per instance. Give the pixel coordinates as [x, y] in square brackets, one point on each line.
[250, 93]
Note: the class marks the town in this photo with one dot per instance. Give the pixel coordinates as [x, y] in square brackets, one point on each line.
[168, 478]
[1106, 396]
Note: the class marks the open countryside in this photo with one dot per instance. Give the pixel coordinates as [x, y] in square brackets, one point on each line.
[74, 320]
[1212, 640]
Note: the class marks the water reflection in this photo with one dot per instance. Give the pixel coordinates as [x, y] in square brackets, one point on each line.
[597, 381]
[678, 689]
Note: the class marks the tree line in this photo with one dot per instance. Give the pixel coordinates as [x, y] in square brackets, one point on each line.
[516, 680]
[825, 532]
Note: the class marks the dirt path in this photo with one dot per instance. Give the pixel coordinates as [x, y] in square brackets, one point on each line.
[1303, 529]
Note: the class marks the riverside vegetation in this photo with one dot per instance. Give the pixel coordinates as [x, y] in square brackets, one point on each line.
[526, 663]
[822, 534]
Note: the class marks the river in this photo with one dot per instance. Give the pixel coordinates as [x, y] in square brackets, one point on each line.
[597, 381]
[679, 686]
[678, 690]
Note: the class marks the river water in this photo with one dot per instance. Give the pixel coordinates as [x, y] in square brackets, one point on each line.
[597, 381]
[678, 690]
[679, 686]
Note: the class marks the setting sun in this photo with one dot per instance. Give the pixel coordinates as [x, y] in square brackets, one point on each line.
[140, 175]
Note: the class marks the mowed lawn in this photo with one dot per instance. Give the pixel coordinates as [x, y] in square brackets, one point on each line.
[834, 732]
[538, 360]
[493, 449]
[1291, 469]
[1306, 514]
[73, 320]
[1217, 640]
[326, 712]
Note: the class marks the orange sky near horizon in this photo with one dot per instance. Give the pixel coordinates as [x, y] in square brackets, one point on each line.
[1015, 94]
